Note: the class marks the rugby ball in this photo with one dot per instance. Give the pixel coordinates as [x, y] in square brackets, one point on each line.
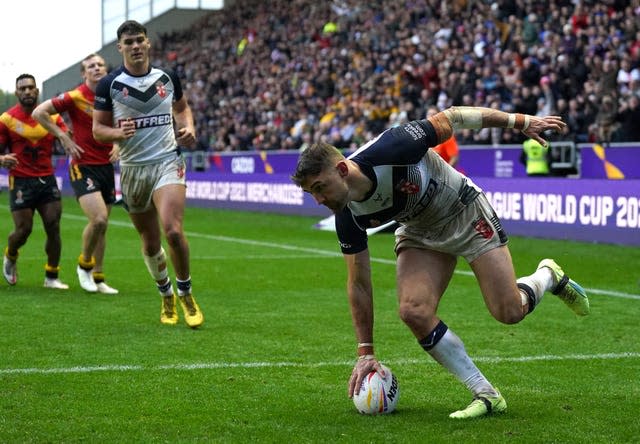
[377, 395]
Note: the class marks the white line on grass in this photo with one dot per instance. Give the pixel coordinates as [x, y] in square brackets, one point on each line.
[249, 365]
[373, 259]
[327, 253]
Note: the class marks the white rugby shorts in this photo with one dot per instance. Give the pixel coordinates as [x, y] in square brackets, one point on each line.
[138, 182]
[470, 234]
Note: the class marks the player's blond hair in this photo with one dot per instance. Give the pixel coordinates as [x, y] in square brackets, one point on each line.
[90, 56]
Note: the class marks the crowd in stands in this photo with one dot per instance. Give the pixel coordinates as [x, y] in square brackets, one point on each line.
[281, 74]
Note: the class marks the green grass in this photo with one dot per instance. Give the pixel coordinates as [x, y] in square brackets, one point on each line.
[272, 360]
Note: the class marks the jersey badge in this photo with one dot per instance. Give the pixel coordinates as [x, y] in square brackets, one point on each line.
[482, 226]
[161, 90]
[19, 198]
[407, 187]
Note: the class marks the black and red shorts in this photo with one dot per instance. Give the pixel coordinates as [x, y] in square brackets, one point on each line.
[87, 179]
[31, 192]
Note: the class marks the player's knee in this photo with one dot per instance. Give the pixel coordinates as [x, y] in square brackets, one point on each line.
[99, 224]
[508, 313]
[53, 231]
[174, 236]
[413, 314]
[23, 231]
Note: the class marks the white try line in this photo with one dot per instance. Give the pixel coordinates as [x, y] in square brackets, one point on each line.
[251, 365]
[329, 253]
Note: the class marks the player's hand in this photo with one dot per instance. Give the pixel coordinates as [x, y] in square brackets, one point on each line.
[9, 161]
[128, 128]
[71, 148]
[114, 154]
[538, 125]
[186, 137]
[364, 366]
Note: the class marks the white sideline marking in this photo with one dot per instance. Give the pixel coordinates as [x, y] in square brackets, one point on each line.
[327, 253]
[249, 365]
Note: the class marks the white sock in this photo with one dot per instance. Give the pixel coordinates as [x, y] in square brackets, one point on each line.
[450, 353]
[539, 282]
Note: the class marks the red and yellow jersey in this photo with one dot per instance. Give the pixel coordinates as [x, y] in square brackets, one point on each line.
[78, 104]
[29, 140]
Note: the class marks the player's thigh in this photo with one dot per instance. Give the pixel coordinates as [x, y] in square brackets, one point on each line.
[93, 205]
[423, 276]
[496, 277]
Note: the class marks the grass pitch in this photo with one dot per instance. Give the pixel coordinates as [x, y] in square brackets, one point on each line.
[272, 360]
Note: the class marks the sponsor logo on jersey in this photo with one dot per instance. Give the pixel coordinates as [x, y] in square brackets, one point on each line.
[150, 121]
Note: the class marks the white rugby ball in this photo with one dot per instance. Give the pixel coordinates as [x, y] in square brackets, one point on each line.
[378, 395]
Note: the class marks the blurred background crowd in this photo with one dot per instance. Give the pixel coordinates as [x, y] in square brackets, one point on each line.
[281, 74]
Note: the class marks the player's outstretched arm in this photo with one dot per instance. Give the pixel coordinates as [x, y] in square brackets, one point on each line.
[471, 117]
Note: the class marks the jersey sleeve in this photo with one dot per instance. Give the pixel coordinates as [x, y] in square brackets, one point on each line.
[103, 95]
[401, 145]
[351, 237]
[177, 85]
[62, 102]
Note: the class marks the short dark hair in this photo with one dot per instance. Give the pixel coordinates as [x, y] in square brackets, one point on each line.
[131, 27]
[25, 76]
[314, 160]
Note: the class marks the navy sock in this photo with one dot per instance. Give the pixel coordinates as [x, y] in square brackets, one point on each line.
[428, 342]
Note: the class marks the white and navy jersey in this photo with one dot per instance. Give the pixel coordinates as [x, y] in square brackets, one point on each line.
[409, 180]
[148, 100]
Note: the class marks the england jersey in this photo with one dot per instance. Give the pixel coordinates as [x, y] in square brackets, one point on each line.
[409, 182]
[148, 101]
